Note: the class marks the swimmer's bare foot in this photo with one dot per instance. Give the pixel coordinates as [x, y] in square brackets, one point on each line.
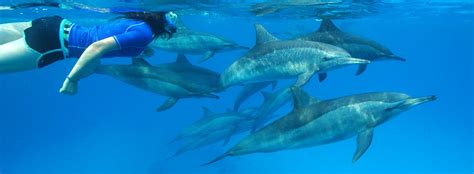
[69, 87]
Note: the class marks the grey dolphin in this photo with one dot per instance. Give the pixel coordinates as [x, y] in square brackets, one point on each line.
[326, 122]
[272, 59]
[356, 46]
[195, 43]
[249, 90]
[175, 80]
[211, 137]
[212, 121]
[204, 140]
[269, 7]
[272, 102]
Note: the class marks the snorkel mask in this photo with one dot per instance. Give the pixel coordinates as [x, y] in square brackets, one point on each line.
[171, 19]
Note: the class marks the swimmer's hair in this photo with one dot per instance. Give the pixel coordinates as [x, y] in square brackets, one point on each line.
[156, 20]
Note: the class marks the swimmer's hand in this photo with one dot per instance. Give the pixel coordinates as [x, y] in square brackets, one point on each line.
[69, 87]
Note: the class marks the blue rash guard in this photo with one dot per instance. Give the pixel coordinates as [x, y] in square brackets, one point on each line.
[132, 37]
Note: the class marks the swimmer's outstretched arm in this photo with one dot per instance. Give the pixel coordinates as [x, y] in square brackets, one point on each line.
[86, 63]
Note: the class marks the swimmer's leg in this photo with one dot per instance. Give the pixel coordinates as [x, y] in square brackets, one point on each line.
[12, 31]
[17, 56]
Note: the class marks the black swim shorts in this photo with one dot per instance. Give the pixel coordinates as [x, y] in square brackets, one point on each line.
[44, 37]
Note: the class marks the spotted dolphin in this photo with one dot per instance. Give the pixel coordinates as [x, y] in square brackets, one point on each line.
[273, 59]
[355, 45]
[324, 122]
[176, 80]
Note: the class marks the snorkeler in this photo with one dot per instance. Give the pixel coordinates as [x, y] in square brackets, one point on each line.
[49, 39]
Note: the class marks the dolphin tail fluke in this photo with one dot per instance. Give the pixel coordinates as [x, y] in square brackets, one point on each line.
[216, 159]
[207, 55]
[167, 104]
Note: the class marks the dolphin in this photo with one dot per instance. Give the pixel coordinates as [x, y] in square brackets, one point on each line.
[204, 140]
[356, 46]
[212, 121]
[215, 136]
[328, 121]
[269, 7]
[249, 90]
[272, 59]
[272, 102]
[176, 80]
[187, 41]
[211, 137]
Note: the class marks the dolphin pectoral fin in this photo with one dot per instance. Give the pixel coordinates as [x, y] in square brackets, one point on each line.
[138, 61]
[207, 55]
[322, 76]
[303, 79]
[364, 139]
[229, 135]
[361, 69]
[217, 159]
[274, 84]
[167, 104]
[256, 126]
[210, 95]
[226, 140]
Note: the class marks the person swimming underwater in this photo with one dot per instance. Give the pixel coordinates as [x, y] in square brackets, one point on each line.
[49, 39]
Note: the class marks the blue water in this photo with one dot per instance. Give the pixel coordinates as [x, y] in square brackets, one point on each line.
[111, 127]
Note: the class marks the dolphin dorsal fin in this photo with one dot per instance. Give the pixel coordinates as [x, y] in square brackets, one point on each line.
[328, 25]
[140, 62]
[262, 35]
[266, 95]
[181, 59]
[301, 98]
[180, 24]
[207, 111]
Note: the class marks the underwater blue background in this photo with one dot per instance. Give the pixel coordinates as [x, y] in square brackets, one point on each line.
[111, 127]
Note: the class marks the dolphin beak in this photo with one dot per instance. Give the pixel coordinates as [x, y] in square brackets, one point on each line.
[351, 60]
[420, 100]
[394, 57]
